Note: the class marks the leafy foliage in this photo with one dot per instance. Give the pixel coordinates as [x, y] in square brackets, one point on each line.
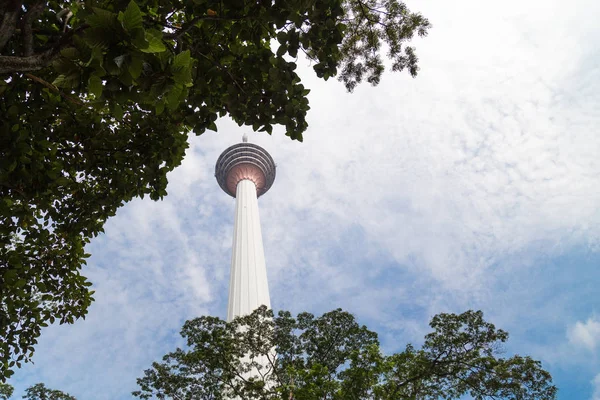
[39, 391]
[97, 99]
[5, 391]
[333, 357]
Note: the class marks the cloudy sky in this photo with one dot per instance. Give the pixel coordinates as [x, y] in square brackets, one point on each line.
[474, 186]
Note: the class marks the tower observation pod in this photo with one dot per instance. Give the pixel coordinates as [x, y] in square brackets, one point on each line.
[246, 171]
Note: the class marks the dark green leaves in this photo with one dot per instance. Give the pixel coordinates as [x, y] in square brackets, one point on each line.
[57, 192]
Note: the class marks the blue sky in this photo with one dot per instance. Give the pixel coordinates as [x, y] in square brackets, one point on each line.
[474, 186]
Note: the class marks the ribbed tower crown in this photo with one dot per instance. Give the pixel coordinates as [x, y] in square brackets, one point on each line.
[245, 161]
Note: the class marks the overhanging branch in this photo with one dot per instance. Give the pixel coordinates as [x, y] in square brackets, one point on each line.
[35, 62]
[12, 64]
[50, 86]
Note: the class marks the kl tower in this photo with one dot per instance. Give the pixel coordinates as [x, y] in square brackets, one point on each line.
[246, 171]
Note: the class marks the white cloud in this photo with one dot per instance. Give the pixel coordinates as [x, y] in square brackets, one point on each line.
[585, 334]
[596, 386]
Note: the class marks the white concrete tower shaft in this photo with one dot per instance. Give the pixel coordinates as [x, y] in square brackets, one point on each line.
[248, 285]
[246, 171]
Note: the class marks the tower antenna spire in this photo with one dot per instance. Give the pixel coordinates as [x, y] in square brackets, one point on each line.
[245, 138]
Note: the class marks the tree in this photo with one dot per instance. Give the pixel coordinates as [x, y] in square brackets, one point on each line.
[333, 357]
[97, 99]
[5, 391]
[39, 391]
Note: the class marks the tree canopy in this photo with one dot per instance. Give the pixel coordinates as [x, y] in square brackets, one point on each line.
[5, 391]
[333, 357]
[39, 391]
[97, 99]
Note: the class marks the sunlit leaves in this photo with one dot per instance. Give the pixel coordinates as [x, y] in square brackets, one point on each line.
[6, 391]
[333, 357]
[39, 391]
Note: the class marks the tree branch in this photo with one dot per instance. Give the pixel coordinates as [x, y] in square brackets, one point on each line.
[33, 13]
[11, 64]
[35, 62]
[50, 86]
[222, 68]
[9, 21]
[189, 25]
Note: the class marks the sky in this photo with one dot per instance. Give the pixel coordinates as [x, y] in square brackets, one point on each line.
[474, 186]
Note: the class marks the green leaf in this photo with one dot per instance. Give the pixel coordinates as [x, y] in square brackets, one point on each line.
[282, 37]
[182, 60]
[103, 19]
[131, 19]
[282, 50]
[10, 275]
[155, 44]
[62, 181]
[174, 96]
[136, 66]
[70, 53]
[95, 85]
[59, 81]
[97, 38]
[160, 107]
[117, 111]
[227, 59]
[267, 128]
[139, 39]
